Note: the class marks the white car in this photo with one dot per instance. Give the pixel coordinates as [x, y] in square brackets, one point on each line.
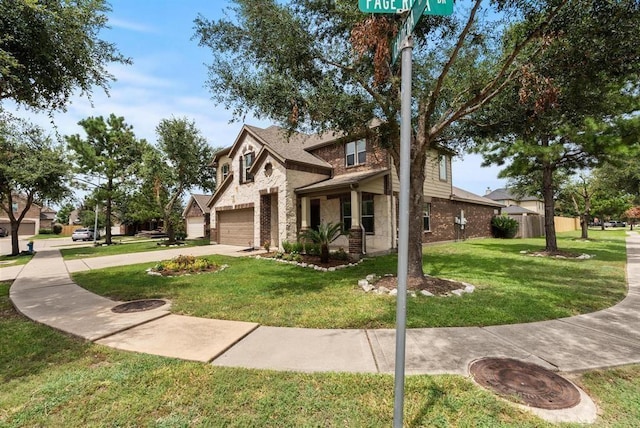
[84, 234]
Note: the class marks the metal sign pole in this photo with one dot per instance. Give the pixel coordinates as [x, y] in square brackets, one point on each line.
[403, 238]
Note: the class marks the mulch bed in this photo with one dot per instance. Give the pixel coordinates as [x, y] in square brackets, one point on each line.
[313, 260]
[434, 285]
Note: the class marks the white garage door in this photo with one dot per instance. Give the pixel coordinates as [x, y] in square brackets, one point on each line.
[195, 227]
[236, 227]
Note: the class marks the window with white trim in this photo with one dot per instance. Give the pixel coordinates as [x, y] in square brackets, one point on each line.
[443, 167]
[368, 221]
[225, 170]
[356, 152]
[248, 161]
[426, 217]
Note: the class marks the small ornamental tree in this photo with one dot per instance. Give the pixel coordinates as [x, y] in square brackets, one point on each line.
[632, 214]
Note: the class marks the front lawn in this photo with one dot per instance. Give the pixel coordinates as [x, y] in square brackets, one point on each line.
[123, 246]
[510, 287]
[51, 379]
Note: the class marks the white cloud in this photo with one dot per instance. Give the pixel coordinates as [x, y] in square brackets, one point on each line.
[132, 26]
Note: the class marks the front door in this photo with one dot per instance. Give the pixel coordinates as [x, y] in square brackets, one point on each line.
[315, 214]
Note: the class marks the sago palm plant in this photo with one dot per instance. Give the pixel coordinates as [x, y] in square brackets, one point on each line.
[324, 235]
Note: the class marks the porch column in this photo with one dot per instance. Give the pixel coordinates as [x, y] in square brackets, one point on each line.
[305, 213]
[355, 233]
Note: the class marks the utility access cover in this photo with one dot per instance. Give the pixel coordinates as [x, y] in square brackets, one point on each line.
[525, 382]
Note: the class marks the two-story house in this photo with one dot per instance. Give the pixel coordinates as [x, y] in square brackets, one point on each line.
[516, 204]
[273, 187]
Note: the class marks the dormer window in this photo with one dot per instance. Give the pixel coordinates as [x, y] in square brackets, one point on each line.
[225, 170]
[356, 152]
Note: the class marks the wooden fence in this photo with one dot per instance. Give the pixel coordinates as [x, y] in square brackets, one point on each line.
[566, 224]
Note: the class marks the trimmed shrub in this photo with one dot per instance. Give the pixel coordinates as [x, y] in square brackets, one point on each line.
[503, 226]
[45, 232]
[57, 229]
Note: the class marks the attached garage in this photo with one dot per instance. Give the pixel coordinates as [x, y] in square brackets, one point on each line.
[195, 227]
[27, 227]
[236, 227]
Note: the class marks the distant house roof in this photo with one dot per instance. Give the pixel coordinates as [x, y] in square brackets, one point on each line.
[465, 196]
[201, 200]
[504, 194]
[516, 209]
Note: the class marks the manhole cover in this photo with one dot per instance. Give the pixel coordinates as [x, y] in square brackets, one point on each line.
[530, 383]
[138, 306]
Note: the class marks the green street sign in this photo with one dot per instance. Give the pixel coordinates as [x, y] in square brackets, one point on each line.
[433, 7]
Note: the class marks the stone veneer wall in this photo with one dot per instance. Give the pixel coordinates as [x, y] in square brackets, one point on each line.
[443, 227]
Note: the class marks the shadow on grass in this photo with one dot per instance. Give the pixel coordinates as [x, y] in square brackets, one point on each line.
[45, 346]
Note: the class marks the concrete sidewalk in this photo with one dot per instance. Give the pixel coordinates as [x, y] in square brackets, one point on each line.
[44, 292]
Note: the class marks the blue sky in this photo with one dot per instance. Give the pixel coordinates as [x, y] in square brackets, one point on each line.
[168, 77]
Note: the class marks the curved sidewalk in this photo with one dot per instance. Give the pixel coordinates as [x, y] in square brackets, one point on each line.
[44, 292]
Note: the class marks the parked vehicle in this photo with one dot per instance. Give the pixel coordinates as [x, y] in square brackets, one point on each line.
[84, 234]
[615, 223]
[3, 232]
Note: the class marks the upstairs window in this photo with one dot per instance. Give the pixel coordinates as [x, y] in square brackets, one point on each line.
[443, 168]
[245, 165]
[356, 152]
[225, 170]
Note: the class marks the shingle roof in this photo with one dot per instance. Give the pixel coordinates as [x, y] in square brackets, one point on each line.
[293, 147]
[505, 194]
[202, 201]
[464, 195]
[343, 180]
[516, 209]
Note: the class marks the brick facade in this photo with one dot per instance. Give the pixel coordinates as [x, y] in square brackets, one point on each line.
[355, 243]
[377, 158]
[265, 219]
[444, 228]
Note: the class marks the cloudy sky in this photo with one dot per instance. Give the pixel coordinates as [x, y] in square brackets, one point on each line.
[168, 76]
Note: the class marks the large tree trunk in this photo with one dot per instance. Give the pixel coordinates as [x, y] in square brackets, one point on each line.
[584, 226]
[416, 210]
[15, 243]
[549, 208]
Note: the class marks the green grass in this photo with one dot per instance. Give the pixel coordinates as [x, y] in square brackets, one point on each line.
[123, 246]
[21, 259]
[50, 379]
[511, 287]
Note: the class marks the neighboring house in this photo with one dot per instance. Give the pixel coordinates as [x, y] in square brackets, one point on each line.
[30, 223]
[507, 198]
[47, 218]
[196, 215]
[271, 188]
[527, 211]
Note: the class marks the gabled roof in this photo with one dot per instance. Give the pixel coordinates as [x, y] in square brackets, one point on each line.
[465, 196]
[504, 194]
[517, 209]
[342, 181]
[201, 200]
[286, 147]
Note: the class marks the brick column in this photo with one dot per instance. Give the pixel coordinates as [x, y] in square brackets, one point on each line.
[355, 243]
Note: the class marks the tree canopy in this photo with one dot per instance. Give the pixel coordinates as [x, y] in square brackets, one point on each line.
[109, 153]
[178, 164]
[48, 49]
[33, 168]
